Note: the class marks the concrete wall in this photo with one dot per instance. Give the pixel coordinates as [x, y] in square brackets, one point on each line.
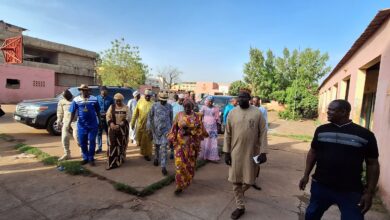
[76, 63]
[376, 49]
[27, 89]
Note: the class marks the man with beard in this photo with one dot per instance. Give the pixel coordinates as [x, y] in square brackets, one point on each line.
[63, 118]
[245, 139]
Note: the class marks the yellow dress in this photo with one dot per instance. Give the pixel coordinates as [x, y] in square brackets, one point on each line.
[140, 115]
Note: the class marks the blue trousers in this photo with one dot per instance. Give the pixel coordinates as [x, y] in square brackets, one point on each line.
[323, 197]
[104, 127]
[87, 141]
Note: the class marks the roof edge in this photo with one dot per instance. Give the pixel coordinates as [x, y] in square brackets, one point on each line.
[382, 16]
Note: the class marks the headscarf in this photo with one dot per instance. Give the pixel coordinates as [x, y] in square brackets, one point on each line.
[188, 102]
[210, 98]
[119, 96]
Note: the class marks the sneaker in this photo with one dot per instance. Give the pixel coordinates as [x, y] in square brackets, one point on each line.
[84, 162]
[237, 213]
[164, 171]
[99, 151]
[64, 157]
[92, 163]
[155, 163]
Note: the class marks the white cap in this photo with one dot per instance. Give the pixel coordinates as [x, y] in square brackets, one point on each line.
[181, 96]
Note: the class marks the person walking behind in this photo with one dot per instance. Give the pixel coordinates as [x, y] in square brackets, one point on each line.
[132, 103]
[159, 123]
[186, 134]
[118, 132]
[338, 150]
[245, 138]
[140, 116]
[87, 108]
[177, 107]
[63, 118]
[105, 102]
[233, 103]
[256, 102]
[209, 146]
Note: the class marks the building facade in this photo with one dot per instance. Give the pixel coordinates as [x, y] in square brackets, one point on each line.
[184, 86]
[363, 78]
[71, 66]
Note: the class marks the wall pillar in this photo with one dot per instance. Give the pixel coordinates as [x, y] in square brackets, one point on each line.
[359, 92]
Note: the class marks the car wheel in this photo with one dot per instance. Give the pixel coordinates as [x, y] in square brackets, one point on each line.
[52, 127]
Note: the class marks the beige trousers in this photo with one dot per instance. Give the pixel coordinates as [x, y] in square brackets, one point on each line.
[239, 190]
[65, 136]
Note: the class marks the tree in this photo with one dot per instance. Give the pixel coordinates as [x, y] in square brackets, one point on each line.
[302, 72]
[170, 75]
[235, 87]
[291, 79]
[121, 65]
[253, 68]
[259, 73]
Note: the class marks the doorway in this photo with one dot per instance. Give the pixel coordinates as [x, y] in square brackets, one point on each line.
[369, 95]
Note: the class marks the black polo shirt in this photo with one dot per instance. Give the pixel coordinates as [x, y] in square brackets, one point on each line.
[340, 152]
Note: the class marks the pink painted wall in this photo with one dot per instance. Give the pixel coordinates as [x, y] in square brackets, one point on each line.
[27, 90]
[377, 45]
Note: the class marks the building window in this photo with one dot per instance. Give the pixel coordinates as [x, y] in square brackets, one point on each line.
[38, 83]
[348, 81]
[12, 84]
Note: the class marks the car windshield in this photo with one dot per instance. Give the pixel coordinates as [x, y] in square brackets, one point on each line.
[218, 101]
[75, 92]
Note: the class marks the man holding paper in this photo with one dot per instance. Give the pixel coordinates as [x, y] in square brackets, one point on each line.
[245, 138]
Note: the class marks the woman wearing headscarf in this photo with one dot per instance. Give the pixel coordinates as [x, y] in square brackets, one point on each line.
[118, 132]
[186, 134]
[209, 146]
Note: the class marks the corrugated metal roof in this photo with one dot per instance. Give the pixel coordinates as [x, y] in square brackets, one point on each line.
[375, 24]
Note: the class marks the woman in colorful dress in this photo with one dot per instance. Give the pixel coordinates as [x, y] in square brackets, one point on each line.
[118, 133]
[209, 146]
[186, 134]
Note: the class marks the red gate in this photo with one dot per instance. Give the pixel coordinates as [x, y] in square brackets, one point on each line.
[13, 50]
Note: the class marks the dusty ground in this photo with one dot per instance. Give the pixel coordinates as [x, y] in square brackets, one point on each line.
[29, 190]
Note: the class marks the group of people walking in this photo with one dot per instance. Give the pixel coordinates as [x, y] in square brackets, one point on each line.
[338, 149]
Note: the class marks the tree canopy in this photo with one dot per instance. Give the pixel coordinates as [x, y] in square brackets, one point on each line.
[291, 79]
[121, 65]
[236, 86]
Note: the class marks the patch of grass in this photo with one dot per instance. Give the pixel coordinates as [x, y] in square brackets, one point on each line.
[6, 137]
[300, 137]
[377, 205]
[73, 168]
[42, 156]
[149, 190]
[126, 188]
